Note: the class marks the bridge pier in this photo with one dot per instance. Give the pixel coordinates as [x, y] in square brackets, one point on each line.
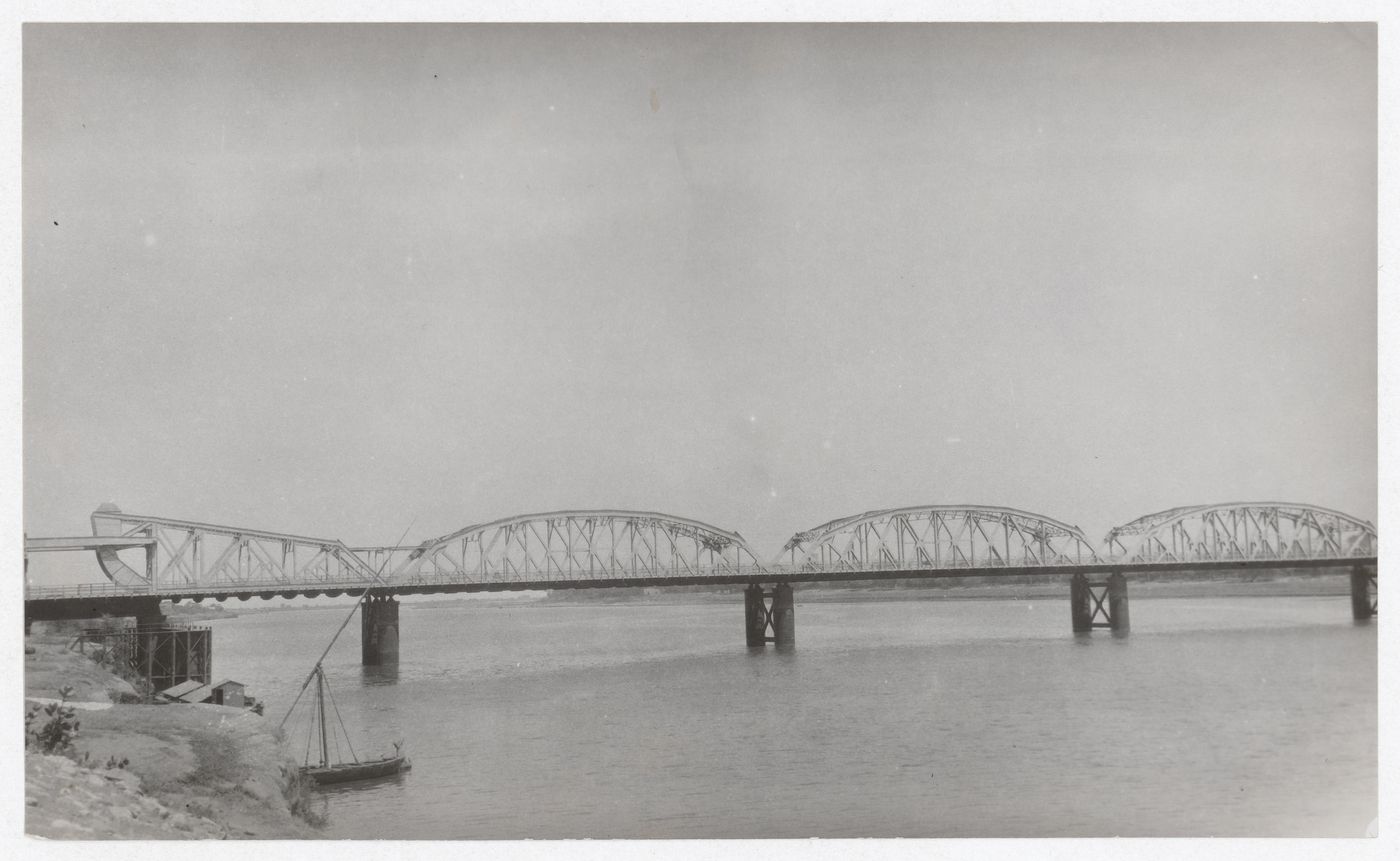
[1364, 593]
[755, 616]
[784, 616]
[1118, 621]
[1099, 604]
[769, 611]
[148, 614]
[379, 630]
[1081, 616]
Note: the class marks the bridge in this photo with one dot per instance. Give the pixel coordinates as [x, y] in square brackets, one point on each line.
[188, 560]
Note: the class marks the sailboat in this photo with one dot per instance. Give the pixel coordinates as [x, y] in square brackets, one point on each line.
[325, 771]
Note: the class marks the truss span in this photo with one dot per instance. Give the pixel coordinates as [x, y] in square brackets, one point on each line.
[1242, 531]
[606, 547]
[937, 537]
[191, 556]
[566, 546]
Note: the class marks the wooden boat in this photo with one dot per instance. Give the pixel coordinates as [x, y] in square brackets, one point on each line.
[345, 772]
[325, 771]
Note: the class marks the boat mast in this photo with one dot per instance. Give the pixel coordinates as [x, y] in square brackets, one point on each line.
[317, 668]
[321, 707]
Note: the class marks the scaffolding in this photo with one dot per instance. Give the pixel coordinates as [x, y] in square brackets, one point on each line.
[161, 656]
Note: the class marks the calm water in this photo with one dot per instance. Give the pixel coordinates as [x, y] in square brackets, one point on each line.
[1239, 717]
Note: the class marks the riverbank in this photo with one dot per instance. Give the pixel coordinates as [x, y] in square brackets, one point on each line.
[192, 771]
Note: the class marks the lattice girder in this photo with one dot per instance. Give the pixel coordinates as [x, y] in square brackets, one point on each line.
[1248, 531]
[205, 556]
[556, 547]
[566, 546]
[938, 537]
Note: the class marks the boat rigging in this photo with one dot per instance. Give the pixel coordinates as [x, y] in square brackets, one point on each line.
[324, 770]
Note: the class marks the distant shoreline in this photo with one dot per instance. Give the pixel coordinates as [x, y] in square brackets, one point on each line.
[1280, 586]
[1227, 586]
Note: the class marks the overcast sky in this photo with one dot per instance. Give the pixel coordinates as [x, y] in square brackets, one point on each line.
[332, 280]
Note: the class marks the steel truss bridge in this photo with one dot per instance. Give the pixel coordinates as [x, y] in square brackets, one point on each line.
[145, 556]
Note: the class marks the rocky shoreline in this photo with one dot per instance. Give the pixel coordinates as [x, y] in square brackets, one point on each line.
[190, 772]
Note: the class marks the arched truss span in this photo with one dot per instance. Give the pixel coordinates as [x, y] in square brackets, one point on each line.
[1242, 531]
[575, 545]
[612, 545]
[935, 537]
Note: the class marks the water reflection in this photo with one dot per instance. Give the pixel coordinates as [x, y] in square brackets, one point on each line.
[383, 674]
[771, 649]
[332, 790]
[657, 721]
[1086, 638]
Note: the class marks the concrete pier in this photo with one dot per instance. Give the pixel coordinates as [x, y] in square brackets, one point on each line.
[1080, 605]
[379, 630]
[769, 611]
[149, 615]
[1118, 603]
[1364, 599]
[755, 616]
[1099, 605]
[784, 618]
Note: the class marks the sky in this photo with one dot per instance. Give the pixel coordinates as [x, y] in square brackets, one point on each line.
[350, 280]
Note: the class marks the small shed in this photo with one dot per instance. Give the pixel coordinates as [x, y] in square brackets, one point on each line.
[191, 691]
[228, 693]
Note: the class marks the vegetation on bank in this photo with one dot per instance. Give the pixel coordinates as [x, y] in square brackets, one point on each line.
[191, 611]
[98, 768]
[49, 728]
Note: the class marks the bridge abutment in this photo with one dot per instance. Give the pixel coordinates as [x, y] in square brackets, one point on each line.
[379, 630]
[766, 611]
[1364, 597]
[1101, 604]
[148, 614]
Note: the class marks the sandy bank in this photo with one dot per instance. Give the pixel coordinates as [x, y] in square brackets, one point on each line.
[193, 771]
[53, 666]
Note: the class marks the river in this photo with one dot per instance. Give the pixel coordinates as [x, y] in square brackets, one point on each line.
[919, 718]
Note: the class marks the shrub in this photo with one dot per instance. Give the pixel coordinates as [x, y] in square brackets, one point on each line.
[296, 789]
[59, 725]
[112, 763]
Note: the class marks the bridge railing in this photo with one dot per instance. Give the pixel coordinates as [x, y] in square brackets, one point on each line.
[623, 548]
[872, 566]
[410, 581]
[450, 578]
[251, 587]
[82, 590]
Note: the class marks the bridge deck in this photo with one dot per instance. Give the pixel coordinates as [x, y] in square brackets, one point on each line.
[87, 542]
[777, 574]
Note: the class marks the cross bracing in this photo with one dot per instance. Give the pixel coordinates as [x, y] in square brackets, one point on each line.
[192, 555]
[1243, 531]
[182, 558]
[561, 546]
[938, 537]
[578, 545]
